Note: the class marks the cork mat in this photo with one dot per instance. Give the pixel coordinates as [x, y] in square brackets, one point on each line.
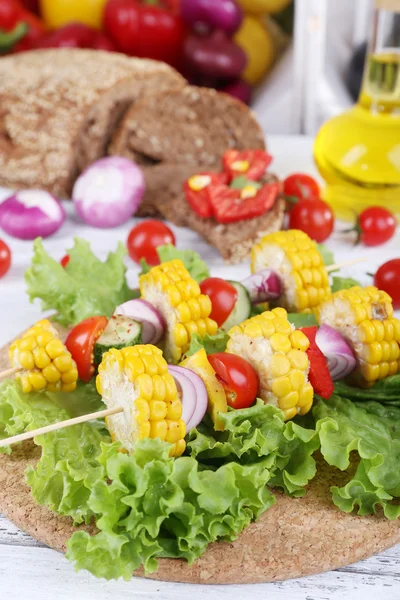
[296, 537]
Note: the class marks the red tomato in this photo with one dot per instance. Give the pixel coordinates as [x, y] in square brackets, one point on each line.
[145, 238]
[301, 186]
[376, 226]
[239, 379]
[223, 297]
[65, 260]
[387, 278]
[10, 12]
[314, 217]
[5, 258]
[80, 342]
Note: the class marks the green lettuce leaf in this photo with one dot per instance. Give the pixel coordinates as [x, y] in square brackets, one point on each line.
[327, 255]
[343, 283]
[210, 343]
[386, 391]
[302, 320]
[373, 432]
[156, 507]
[192, 260]
[85, 288]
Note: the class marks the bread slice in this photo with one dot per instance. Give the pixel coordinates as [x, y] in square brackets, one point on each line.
[59, 109]
[234, 240]
[183, 128]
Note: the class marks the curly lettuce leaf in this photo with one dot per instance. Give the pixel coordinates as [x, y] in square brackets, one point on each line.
[85, 288]
[210, 343]
[373, 432]
[386, 391]
[156, 506]
[192, 260]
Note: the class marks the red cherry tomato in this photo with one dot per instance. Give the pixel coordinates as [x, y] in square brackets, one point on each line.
[239, 379]
[314, 217]
[301, 186]
[80, 342]
[145, 238]
[5, 258]
[387, 278]
[376, 225]
[223, 297]
[65, 260]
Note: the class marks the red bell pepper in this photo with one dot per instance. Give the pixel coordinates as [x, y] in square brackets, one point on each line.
[196, 191]
[251, 163]
[319, 375]
[19, 28]
[76, 35]
[145, 30]
[249, 200]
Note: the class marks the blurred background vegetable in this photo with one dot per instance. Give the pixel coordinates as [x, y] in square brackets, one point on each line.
[57, 13]
[256, 41]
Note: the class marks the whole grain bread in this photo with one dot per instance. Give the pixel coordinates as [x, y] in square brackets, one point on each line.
[186, 127]
[59, 109]
[233, 241]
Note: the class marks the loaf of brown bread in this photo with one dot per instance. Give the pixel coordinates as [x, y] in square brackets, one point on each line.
[180, 129]
[60, 108]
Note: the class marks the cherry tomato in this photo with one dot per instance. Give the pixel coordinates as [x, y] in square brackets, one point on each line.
[145, 238]
[239, 379]
[387, 278]
[314, 217]
[80, 342]
[301, 186]
[375, 226]
[5, 258]
[223, 297]
[65, 260]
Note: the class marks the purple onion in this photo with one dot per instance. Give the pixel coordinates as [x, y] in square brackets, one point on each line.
[109, 192]
[239, 89]
[153, 324]
[215, 14]
[193, 393]
[29, 214]
[263, 286]
[340, 357]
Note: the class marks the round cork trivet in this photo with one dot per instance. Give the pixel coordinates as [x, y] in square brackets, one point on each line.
[296, 537]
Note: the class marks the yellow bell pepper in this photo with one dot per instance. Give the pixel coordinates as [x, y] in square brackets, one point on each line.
[198, 363]
[57, 13]
[260, 7]
[255, 39]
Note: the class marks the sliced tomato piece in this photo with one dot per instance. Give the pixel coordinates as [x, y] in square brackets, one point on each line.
[238, 378]
[231, 205]
[80, 342]
[223, 296]
[251, 163]
[196, 190]
[319, 375]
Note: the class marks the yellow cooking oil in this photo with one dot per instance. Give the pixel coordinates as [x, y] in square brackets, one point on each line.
[358, 152]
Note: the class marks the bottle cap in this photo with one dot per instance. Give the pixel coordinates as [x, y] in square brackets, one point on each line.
[393, 5]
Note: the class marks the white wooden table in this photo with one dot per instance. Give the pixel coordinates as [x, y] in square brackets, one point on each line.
[30, 570]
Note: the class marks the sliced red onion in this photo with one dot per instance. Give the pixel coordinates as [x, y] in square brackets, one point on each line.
[109, 192]
[263, 286]
[29, 214]
[193, 395]
[153, 325]
[338, 353]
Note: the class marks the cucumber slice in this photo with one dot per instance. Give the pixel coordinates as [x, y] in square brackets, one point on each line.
[120, 332]
[242, 309]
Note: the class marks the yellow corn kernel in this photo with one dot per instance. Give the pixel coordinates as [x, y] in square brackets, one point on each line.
[158, 429]
[305, 409]
[70, 376]
[143, 410]
[389, 330]
[385, 347]
[280, 342]
[54, 387]
[54, 348]
[281, 386]
[280, 365]
[170, 388]
[306, 396]
[205, 305]
[144, 383]
[51, 374]
[191, 328]
[26, 360]
[282, 325]
[267, 327]
[289, 413]
[193, 306]
[144, 430]
[379, 330]
[158, 410]
[178, 448]
[63, 363]
[393, 367]
[394, 350]
[68, 387]
[366, 332]
[42, 359]
[370, 372]
[174, 410]
[383, 370]
[298, 359]
[372, 353]
[27, 343]
[26, 384]
[176, 431]
[183, 312]
[297, 379]
[159, 387]
[289, 401]
[211, 325]
[174, 297]
[201, 327]
[150, 365]
[180, 336]
[46, 337]
[37, 381]
[360, 313]
[299, 341]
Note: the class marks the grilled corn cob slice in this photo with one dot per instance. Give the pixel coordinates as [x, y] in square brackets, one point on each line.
[295, 257]
[278, 353]
[171, 290]
[137, 379]
[44, 361]
[364, 317]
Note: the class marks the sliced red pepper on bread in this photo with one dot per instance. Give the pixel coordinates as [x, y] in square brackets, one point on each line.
[251, 163]
[196, 191]
[319, 375]
[230, 205]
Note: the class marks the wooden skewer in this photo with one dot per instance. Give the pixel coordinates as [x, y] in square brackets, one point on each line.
[10, 372]
[28, 435]
[346, 263]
